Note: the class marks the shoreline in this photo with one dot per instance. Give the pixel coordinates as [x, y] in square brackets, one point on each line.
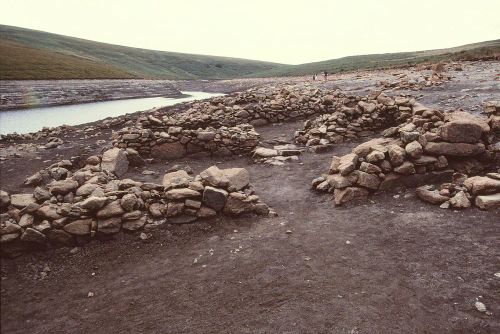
[28, 107]
[21, 94]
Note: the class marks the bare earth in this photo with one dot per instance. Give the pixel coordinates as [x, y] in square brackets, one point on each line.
[393, 265]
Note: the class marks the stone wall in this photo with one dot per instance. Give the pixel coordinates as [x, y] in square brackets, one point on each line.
[173, 142]
[428, 146]
[71, 205]
[224, 125]
[356, 117]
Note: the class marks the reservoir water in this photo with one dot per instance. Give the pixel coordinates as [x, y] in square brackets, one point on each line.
[31, 120]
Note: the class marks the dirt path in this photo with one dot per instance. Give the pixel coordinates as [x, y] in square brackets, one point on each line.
[394, 265]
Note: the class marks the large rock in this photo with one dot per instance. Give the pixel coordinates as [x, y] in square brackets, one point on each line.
[22, 200]
[460, 132]
[215, 177]
[110, 210]
[397, 154]
[79, 227]
[238, 178]
[482, 185]
[465, 117]
[368, 180]
[181, 193]
[86, 189]
[369, 168]
[236, 205]
[414, 149]
[129, 202]
[460, 200]
[32, 235]
[454, 149]
[214, 198]
[206, 135]
[168, 151]
[93, 203]
[26, 220]
[406, 168]
[62, 187]
[134, 225]
[49, 212]
[348, 194]
[363, 149]
[109, 225]
[347, 163]
[488, 202]
[115, 161]
[9, 228]
[338, 181]
[263, 152]
[426, 193]
[176, 179]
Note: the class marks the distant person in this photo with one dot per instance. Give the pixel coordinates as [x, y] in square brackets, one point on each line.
[314, 77]
[325, 74]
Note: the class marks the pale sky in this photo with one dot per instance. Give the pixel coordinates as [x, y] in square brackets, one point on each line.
[286, 31]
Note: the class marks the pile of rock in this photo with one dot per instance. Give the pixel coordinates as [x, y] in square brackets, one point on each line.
[463, 191]
[71, 205]
[420, 78]
[357, 117]
[429, 146]
[175, 141]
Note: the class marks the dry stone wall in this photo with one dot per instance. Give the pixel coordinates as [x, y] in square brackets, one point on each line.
[356, 117]
[71, 205]
[428, 146]
[224, 125]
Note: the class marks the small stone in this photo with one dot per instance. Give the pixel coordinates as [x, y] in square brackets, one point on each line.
[460, 200]
[480, 306]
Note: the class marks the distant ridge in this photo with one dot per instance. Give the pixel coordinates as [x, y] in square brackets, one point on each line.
[482, 50]
[33, 54]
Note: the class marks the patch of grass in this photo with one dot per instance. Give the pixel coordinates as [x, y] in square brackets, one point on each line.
[136, 62]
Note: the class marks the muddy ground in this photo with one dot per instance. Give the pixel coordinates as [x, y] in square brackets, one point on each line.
[392, 265]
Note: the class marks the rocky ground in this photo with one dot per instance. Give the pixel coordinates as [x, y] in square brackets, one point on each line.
[17, 94]
[392, 264]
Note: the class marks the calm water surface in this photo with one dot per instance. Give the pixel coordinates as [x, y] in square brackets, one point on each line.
[31, 120]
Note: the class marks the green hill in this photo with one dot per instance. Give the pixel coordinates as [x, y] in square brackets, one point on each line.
[489, 49]
[32, 54]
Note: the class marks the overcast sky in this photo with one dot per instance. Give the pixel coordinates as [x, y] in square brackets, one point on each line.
[286, 31]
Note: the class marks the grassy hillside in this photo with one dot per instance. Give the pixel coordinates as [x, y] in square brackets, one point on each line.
[21, 62]
[465, 52]
[119, 61]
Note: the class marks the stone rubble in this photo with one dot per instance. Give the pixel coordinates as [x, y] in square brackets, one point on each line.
[224, 125]
[72, 205]
[426, 146]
